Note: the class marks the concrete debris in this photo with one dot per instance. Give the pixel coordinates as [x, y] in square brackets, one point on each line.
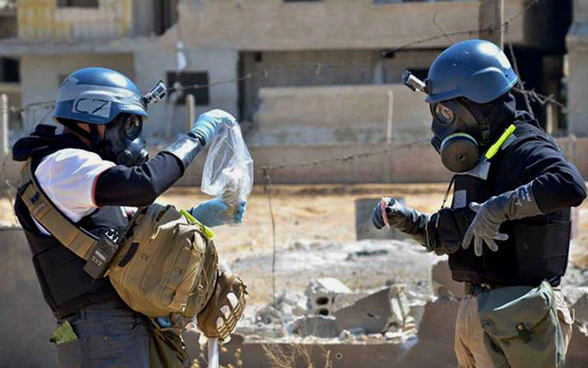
[351, 334]
[367, 253]
[393, 335]
[343, 300]
[292, 303]
[268, 315]
[416, 304]
[376, 312]
[345, 335]
[578, 301]
[317, 326]
[443, 285]
[301, 244]
[328, 285]
[321, 295]
[439, 320]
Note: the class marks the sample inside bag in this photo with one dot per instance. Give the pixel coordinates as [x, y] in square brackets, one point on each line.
[228, 171]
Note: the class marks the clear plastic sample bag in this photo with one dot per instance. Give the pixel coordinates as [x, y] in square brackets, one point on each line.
[228, 171]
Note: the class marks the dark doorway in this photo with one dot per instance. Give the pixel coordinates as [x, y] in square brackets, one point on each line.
[165, 15]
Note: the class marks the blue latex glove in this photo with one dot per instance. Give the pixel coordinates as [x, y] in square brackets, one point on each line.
[209, 123]
[164, 322]
[216, 213]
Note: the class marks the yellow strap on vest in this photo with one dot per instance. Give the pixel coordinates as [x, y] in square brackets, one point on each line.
[52, 219]
[203, 229]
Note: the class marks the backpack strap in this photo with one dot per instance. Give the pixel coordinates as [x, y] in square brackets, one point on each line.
[51, 218]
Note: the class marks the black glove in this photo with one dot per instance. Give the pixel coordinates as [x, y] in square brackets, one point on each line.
[401, 218]
[512, 205]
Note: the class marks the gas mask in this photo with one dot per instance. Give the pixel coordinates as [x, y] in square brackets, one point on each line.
[460, 133]
[124, 141]
[457, 135]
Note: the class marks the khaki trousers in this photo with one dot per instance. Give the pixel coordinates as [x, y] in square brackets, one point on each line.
[469, 336]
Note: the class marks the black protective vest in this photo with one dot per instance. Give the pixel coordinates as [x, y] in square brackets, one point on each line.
[66, 287]
[536, 250]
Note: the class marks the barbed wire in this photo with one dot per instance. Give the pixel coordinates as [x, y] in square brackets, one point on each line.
[319, 67]
[300, 165]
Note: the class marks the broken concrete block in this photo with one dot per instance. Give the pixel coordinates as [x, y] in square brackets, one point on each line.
[578, 300]
[435, 342]
[577, 356]
[329, 285]
[343, 300]
[292, 303]
[373, 313]
[443, 284]
[268, 315]
[364, 207]
[322, 293]
[400, 303]
[318, 326]
[301, 244]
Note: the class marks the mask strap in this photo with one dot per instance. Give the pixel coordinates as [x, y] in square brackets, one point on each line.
[95, 140]
[78, 130]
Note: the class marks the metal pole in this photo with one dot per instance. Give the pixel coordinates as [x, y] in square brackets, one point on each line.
[390, 125]
[191, 106]
[491, 21]
[4, 149]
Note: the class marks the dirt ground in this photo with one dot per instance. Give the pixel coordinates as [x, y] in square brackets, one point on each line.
[323, 218]
[323, 212]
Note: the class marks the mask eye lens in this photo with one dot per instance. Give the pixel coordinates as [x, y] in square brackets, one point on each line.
[444, 114]
[133, 127]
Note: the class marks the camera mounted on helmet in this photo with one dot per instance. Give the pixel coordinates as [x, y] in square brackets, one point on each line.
[414, 83]
[156, 94]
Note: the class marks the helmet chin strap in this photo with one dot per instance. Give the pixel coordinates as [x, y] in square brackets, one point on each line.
[93, 136]
[95, 140]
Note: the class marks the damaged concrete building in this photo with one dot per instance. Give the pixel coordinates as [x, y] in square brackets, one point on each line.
[269, 60]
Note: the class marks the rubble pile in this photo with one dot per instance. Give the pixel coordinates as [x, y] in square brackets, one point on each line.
[330, 310]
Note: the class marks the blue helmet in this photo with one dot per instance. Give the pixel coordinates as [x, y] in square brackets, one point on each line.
[97, 96]
[475, 69]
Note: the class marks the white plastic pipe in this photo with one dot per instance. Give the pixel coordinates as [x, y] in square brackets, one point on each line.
[213, 359]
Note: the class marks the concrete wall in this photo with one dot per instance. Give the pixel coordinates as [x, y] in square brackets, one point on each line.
[143, 17]
[43, 19]
[41, 75]
[324, 68]
[330, 24]
[319, 115]
[152, 63]
[8, 26]
[26, 322]
[577, 42]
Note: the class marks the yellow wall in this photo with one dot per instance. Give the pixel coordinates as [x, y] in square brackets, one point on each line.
[42, 19]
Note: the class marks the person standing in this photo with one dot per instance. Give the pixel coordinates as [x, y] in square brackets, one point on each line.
[95, 172]
[507, 232]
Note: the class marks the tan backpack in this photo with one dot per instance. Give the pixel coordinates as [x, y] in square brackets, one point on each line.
[166, 262]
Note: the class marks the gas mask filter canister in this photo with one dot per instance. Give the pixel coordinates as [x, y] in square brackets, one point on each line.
[459, 152]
